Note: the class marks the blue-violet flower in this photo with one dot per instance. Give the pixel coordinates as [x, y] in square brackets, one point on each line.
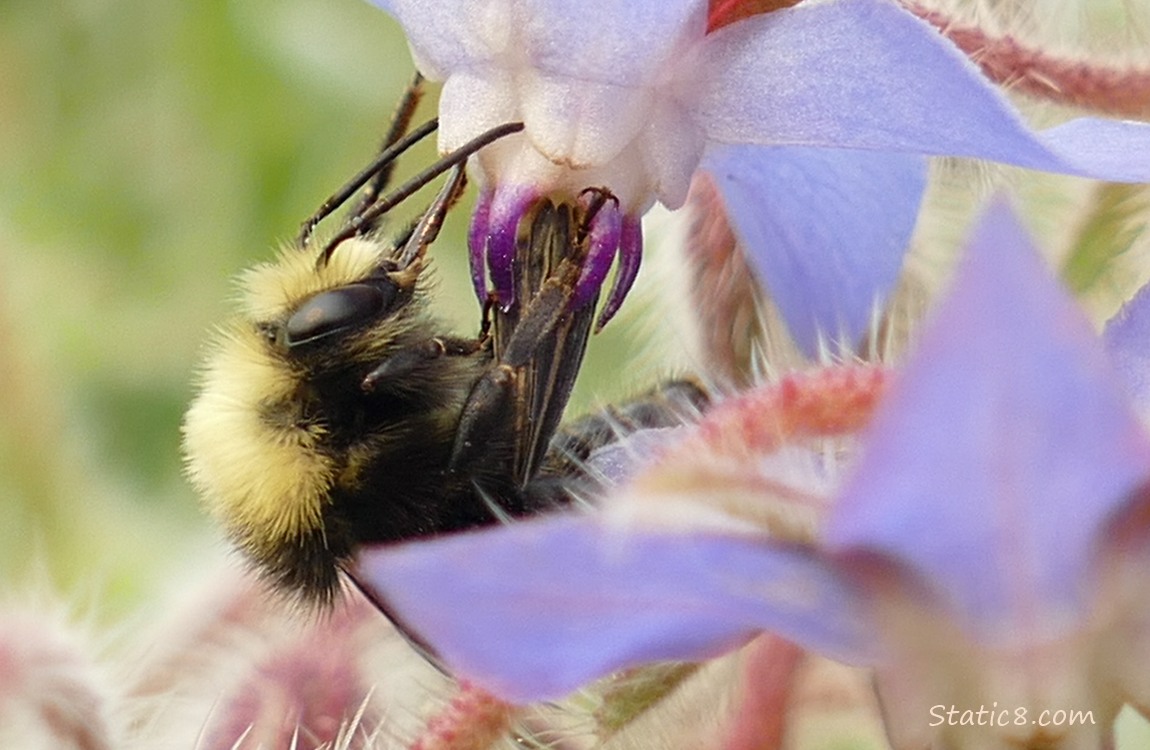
[988, 549]
[813, 120]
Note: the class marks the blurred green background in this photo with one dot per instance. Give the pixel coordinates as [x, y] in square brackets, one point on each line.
[148, 152]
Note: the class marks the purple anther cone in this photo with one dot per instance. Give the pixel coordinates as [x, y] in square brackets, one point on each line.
[603, 242]
[506, 210]
[494, 230]
[477, 243]
[630, 256]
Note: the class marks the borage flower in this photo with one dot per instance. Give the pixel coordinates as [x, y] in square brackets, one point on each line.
[813, 120]
[988, 550]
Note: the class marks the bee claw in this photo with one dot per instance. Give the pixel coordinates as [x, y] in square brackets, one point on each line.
[402, 364]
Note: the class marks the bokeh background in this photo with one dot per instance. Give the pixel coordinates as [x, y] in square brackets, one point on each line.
[149, 152]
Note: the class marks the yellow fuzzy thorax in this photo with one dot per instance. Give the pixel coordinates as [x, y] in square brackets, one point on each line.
[271, 289]
[267, 484]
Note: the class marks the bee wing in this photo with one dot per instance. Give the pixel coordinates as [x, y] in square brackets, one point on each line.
[541, 339]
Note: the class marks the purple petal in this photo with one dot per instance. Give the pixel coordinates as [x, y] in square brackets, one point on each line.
[477, 243]
[1127, 340]
[1002, 450]
[547, 606]
[507, 208]
[630, 256]
[867, 74]
[618, 462]
[602, 246]
[826, 229]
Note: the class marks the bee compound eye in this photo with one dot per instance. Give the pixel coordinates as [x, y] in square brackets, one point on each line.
[338, 310]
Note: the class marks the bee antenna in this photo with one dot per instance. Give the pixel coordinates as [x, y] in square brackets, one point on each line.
[459, 156]
[400, 122]
[381, 164]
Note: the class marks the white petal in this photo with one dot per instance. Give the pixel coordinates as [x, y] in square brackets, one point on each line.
[609, 41]
[672, 148]
[446, 35]
[579, 123]
[474, 100]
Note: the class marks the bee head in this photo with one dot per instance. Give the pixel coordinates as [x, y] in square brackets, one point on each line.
[354, 306]
[330, 314]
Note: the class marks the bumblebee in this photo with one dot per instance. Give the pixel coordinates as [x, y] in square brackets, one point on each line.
[333, 411]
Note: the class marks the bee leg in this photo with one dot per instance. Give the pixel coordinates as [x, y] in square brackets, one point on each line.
[537, 323]
[489, 415]
[378, 172]
[538, 346]
[431, 222]
[413, 639]
[403, 363]
[489, 304]
[400, 122]
[486, 420]
[670, 404]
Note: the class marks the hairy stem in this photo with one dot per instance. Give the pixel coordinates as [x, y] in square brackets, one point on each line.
[1122, 91]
